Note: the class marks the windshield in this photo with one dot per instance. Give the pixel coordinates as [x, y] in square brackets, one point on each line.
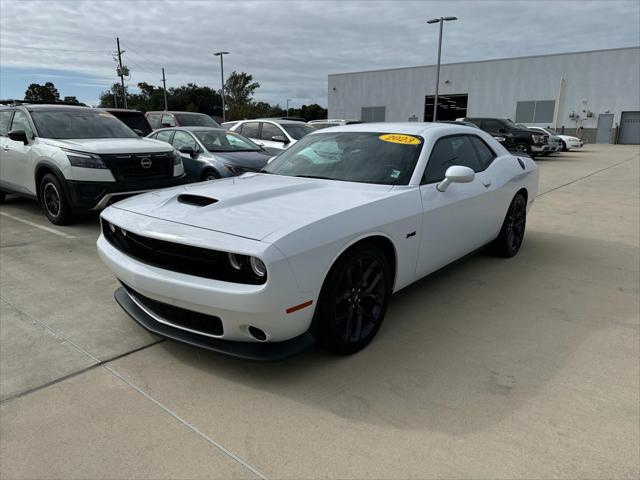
[223, 141]
[75, 124]
[297, 131]
[365, 157]
[196, 120]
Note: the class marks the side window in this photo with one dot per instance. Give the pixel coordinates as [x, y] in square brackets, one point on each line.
[5, 120]
[492, 126]
[250, 129]
[484, 153]
[164, 136]
[21, 122]
[269, 130]
[183, 139]
[449, 151]
[154, 120]
[168, 121]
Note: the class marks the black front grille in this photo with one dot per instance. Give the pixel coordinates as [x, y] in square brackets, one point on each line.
[140, 165]
[179, 317]
[177, 257]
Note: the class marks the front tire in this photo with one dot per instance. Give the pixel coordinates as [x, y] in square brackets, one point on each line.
[354, 300]
[564, 146]
[54, 201]
[522, 148]
[210, 175]
[511, 235]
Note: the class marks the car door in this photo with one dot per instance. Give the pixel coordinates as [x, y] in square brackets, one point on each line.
[460, 219]
[5, 123]
[16, 156]
[192, 166]
[268, 132]
[251, 130]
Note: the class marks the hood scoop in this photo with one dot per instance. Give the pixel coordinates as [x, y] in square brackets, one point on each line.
[197, 200]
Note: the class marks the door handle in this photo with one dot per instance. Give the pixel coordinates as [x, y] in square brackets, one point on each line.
[487, 183]
[6, 149]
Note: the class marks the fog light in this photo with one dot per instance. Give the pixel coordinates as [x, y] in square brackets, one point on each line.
[257, 333]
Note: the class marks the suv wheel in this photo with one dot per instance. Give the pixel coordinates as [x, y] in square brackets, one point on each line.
[521, 148]
[54, 201]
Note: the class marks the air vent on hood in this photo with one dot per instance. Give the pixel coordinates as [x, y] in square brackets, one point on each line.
[197, 200]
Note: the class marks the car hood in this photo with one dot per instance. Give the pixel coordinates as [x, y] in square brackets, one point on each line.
[254, 205]
[111, 145]
[251, 160]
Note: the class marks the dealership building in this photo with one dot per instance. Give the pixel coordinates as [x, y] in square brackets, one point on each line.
[595, 94]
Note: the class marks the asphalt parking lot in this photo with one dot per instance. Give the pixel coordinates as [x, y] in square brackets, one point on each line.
[491, 368]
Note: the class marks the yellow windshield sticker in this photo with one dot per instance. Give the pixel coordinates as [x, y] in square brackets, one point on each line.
[398, 138]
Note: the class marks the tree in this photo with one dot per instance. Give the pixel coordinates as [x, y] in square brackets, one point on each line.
[42, 93]
[239, 90]
[72, 100]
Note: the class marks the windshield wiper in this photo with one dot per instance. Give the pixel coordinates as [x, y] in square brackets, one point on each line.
[314, 176]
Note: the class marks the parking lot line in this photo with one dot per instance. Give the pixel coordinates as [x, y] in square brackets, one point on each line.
[41, 227]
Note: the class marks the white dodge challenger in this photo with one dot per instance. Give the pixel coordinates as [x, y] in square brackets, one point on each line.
[311, 248]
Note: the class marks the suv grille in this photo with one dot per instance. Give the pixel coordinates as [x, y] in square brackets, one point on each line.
[140, 165]
[180, 317]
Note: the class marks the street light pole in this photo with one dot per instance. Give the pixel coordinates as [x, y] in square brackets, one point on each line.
[441, 21]
[221, 55]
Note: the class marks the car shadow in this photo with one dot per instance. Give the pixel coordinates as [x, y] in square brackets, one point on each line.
[459, 351]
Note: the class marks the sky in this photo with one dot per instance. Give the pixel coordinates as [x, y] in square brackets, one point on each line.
[288, 46]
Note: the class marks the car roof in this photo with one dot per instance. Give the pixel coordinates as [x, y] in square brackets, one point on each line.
[274, 120]
[409, 128]
[193, 129]
[50, 106]
[127, 110]
[177, 111]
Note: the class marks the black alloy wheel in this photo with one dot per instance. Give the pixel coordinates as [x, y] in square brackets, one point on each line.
[511, 235]
[354, 300]
[53, 200]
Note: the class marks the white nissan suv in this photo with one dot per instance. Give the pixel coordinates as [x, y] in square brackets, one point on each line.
[73, 159]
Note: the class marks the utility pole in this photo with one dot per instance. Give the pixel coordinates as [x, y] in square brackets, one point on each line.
[121, 72]
[164, 90]
[441, 21]
[221, 55]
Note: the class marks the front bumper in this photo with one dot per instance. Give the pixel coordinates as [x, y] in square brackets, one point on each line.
[98, 195]
[264, 351]
[544, 148]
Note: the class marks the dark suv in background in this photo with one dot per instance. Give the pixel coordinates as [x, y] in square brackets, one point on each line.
[180, 119]
[517, 139]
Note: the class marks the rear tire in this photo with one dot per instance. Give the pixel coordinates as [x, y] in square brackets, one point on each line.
[511, 235]
[354, 300]
[53, 201]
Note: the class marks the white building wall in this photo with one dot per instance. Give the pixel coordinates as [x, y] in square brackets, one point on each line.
[607, 80]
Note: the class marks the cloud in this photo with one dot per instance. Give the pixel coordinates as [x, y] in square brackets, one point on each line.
[291, 47]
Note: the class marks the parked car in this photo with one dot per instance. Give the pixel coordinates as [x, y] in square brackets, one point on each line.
[567, 142]
[520, 140]
[77, 158]
[228, 125]
[472, 125]
[262, 265]
[133, 119]
[210, 153]
[276, 134]
[555, 144]
[333, 122]
[180, 119]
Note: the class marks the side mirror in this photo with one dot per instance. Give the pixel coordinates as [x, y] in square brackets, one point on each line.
[280, 138]
[138, 132]
[456, 174]
[187, 150]
[18, 136]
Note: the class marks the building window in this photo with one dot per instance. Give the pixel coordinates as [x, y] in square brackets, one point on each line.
[372, 114]
[538, 111]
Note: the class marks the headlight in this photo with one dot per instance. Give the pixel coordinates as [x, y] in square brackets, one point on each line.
[177, 159]
[234, 169]
[83, 159]
[178, 167]
[247, 265]
[536, 138]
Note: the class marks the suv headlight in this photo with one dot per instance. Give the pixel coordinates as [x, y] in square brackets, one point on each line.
[178, 167]
[84, 159]
[536, 138]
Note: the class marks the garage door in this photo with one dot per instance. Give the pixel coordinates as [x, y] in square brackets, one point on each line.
[630, 128]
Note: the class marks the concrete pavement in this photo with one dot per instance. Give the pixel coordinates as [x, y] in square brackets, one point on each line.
[491, 368]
